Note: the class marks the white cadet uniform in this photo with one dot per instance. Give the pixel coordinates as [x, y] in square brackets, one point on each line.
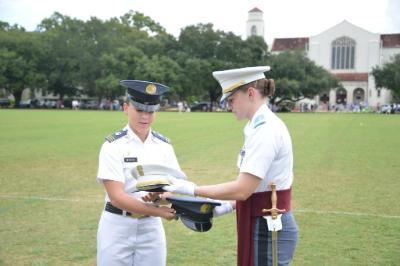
[267, 151]
[121, 239]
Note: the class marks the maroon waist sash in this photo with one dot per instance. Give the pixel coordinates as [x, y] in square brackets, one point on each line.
[246, 213]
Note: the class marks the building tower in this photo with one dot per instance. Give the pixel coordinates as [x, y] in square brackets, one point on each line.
[255, 23]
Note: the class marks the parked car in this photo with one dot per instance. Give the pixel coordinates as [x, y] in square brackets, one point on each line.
[89, 104]
[25, 104]
[67, 103]
[37, 103]
[4, 103]
[50, 104]
[203, 106]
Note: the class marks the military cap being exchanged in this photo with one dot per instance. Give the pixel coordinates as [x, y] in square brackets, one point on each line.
[231, 80]
[153, 177]
[144, 95]
[195, 213]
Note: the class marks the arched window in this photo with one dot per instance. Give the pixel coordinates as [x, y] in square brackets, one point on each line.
[253, 30]
[358, 95]
[341, 96]
[343, 51]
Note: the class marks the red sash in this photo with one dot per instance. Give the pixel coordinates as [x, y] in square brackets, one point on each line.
[246, 213]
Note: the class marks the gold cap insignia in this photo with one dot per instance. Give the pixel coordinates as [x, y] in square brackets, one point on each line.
[139, 168]
[151, 89]
[205, 208]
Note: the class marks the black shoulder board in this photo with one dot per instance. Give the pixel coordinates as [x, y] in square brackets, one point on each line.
[159, 136]
[116, 135]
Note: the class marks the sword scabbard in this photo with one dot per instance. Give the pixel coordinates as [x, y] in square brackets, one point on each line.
[274, 215]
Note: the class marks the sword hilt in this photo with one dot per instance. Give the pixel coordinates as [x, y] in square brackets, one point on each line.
[274, 199]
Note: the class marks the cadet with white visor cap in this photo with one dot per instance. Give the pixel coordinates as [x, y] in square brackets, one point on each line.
[266, 158]
[130, 230]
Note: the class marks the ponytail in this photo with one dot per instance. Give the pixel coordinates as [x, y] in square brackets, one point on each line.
[265, 86]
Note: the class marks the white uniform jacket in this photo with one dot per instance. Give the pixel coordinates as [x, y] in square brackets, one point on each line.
[267, 150]
[123, 151]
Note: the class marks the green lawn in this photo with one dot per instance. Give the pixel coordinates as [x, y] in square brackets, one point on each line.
[345, 192]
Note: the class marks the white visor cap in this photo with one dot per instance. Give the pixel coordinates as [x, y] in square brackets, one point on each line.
[233, 78]
[157, 170]
[153, 177]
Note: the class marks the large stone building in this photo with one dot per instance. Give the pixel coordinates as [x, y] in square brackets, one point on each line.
[350, 53]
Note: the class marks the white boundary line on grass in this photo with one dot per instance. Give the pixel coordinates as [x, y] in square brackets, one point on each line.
[349, 213]
[101, 200]
[51, 198]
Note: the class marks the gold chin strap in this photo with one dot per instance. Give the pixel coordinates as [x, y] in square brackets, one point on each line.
[234, 86]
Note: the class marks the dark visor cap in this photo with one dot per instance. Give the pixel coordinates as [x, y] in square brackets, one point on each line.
[146, 94]
[195, 213]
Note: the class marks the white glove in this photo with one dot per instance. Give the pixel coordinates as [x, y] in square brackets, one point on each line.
[226, 207]
[180, 186]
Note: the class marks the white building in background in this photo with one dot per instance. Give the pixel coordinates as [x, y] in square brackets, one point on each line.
[255, 23]
[350, 53]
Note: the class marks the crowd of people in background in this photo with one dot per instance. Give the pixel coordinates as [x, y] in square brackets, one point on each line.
[393, 108]
[75, 104]
[204, 106]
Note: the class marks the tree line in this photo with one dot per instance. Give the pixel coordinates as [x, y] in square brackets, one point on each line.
[70, 57]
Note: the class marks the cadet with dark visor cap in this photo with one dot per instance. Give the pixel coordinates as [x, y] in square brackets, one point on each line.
[130, 230]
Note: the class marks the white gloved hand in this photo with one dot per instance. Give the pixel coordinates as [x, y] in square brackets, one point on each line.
[224, 208]
[180, 186]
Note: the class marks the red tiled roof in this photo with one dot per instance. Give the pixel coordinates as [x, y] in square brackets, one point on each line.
[352, 76]
[285, 44]
[390, 40]
[256, 9]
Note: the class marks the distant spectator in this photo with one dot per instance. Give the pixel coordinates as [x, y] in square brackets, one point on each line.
[59, 104]
[180, 106]
[75, 104]
[116, 106]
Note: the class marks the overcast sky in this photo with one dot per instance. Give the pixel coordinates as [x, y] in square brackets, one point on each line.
[283, 18]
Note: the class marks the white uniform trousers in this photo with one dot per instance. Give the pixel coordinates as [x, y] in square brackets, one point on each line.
[123, 240]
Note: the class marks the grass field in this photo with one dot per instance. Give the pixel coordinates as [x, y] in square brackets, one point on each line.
[345, 194]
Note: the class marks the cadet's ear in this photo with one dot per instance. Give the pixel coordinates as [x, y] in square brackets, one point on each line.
[125, 107]
[251, 91]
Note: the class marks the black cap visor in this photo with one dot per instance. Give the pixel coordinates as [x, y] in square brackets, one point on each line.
[198, 226]
[144, 107]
